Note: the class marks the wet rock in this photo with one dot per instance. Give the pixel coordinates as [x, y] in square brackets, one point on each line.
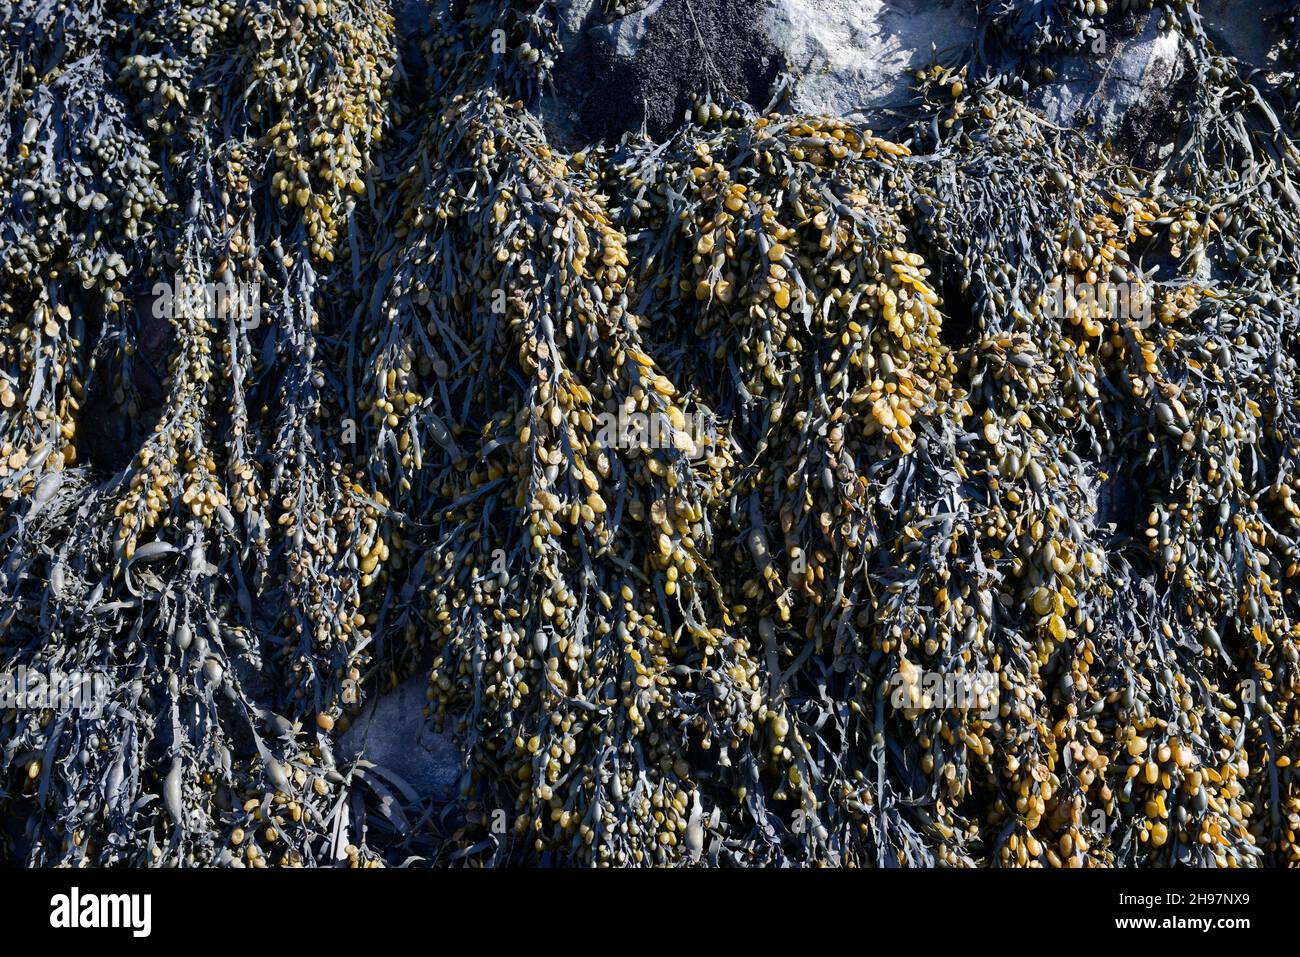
[392, 732]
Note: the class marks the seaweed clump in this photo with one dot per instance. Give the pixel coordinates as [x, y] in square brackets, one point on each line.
[695, 474]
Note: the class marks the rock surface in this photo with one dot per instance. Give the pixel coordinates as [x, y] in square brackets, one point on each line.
[640, 69]
[1124, 93]
[847, 55]
[618, 74]
[1128, 91]
[1240, 27]
[841, 57]
[392, 732]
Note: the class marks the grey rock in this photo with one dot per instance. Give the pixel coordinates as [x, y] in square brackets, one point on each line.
[1128, 91]
[849, 55]
[1124, 93]
[573, 18]
[392, 732]
[626, 34]
[842, 55]
[1241, 28]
